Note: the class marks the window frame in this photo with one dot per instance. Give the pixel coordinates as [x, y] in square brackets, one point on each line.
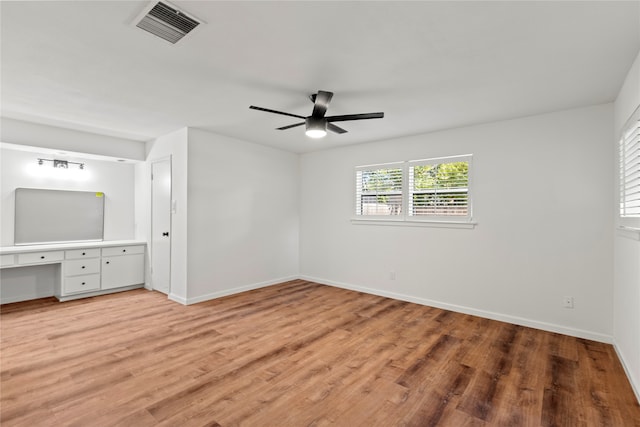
[438, 161]
[630, 133]
[358, 194]
[406, 218]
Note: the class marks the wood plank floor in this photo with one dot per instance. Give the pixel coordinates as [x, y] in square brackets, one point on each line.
[296, 354]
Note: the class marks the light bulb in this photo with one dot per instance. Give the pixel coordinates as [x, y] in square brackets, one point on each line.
[316, 133]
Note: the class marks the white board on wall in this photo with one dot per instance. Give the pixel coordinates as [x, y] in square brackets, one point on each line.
[55, 216]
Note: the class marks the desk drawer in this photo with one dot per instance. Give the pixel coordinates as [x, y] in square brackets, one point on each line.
[82, 253]
[84, 283]
[40, 257]
[122, 250]
[81, 266]
[7, 260]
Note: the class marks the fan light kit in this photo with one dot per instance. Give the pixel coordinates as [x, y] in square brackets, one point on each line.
[317, 124]
[315, 128]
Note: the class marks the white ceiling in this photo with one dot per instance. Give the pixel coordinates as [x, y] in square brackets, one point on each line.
[427, 65]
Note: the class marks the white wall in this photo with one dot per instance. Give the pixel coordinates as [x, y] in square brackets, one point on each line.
[173, 146]
[20, 169]
[626, 294]
[543, 206]
[242, 217]
[38, 135]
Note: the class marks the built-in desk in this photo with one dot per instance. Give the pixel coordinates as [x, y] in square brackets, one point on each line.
[85, 269]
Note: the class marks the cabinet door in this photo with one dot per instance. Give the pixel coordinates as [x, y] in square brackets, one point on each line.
[123, 270]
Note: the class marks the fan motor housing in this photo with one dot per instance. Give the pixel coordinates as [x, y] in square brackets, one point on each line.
[315, 123]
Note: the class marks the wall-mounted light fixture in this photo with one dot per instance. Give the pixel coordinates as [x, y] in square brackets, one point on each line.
[60, 164]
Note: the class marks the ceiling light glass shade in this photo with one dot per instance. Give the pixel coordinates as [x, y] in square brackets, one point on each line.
[315, 128]
[316, 133]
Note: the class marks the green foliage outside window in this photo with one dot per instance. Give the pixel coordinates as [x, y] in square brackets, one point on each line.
[442, 175]
[382, 182]
[440, 189]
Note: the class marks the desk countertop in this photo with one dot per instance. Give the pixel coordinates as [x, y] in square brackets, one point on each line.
[6, 250]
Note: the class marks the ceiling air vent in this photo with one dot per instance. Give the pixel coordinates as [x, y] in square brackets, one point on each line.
[167, 22]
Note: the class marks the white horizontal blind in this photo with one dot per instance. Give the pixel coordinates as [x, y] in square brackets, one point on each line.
[630, 170]
[439, 188]
[379, 190]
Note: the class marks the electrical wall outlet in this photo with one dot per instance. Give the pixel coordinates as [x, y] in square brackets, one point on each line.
[567, 302]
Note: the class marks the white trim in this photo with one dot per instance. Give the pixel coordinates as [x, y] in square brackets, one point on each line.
[176, 298]
[635, 386]
[550, 327]
[413, 223]
[99, 292]
[436, 160]
[628, 165]
[233, 291]
[39, 295]
[406, 192]
[379, 165]
[628, 232]
[159, 160]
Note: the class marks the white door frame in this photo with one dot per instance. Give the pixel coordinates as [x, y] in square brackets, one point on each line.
[151, 225]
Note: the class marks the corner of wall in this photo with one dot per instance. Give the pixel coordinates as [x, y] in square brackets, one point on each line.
[626, 280]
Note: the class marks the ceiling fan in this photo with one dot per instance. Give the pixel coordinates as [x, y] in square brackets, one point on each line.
[317, 124]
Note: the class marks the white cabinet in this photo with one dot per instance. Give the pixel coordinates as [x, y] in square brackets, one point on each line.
[93, 270]
[81, 271]
[122, 266]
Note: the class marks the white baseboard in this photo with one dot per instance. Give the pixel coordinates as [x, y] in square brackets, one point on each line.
[226, 292]
[178, 299]
[635, 382]
[97, 293]
[550, 327]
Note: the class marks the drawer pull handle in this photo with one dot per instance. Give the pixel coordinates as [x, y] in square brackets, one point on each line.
[83, 266]
[83, 253]
[83, 283]
[107, 262]
[42, 257]
[124, 250]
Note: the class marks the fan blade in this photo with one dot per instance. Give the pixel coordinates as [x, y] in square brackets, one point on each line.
[290, 126]
[253, 107]
[335, 129]
[347, 117]
[321, 103]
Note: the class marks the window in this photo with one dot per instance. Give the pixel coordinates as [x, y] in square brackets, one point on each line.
[630, 168]
[379, 190]
[417, 190]
[439, 189]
